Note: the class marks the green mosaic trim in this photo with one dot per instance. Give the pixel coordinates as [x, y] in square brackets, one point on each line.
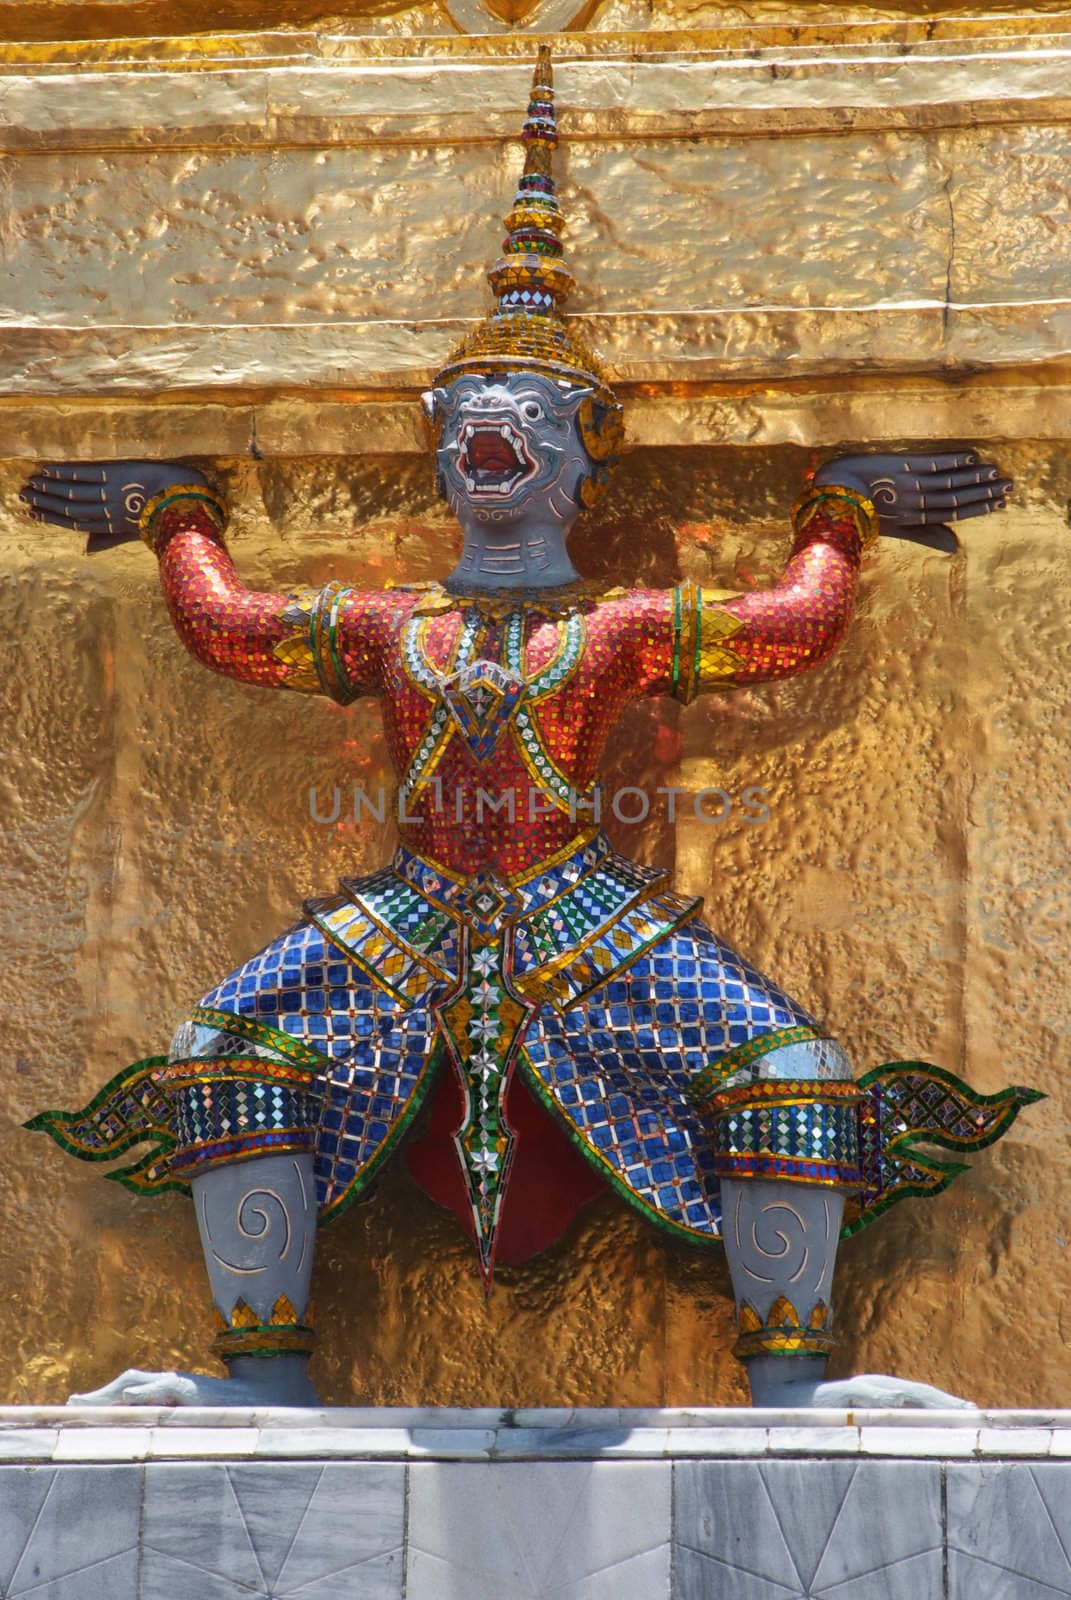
[675, 678]
[336, 599]
[926, 1176]
[259, 1033]
[559, 668]
[149, 1175]
[943, 1173]
[710, 1079]
[1010, 1101]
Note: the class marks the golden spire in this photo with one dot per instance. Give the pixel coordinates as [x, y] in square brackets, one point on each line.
[527, 332]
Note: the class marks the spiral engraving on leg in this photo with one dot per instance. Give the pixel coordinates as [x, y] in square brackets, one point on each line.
[777, 1233]
[255, 1218]
[258, 1230]
[306, 1205]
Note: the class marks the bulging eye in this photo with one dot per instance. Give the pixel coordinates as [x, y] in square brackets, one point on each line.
[531, 410]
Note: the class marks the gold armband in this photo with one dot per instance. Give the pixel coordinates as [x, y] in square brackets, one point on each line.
[864, 513]
[214, 508]
[702, 656]
[312, 652]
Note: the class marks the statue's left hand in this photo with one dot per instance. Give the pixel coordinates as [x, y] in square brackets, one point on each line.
[916, 496]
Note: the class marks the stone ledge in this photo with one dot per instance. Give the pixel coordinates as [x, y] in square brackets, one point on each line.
[739, 1504]
[146, 1434]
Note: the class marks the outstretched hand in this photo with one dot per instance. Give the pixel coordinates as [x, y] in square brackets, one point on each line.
[917, 496]
[101, 498]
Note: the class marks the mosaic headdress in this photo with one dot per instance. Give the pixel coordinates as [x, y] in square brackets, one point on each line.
[527, 332]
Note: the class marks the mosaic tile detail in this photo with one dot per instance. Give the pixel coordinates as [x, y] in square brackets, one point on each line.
[912, 1107]
[225, 1118]
[616, 1068]
[785, 1129]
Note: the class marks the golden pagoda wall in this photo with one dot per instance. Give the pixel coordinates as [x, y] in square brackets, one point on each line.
[236, 250]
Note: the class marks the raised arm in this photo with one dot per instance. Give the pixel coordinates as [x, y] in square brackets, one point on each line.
[314, 641]
[721, 641]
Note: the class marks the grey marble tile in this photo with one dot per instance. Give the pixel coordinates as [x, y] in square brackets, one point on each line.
[1009, 1531]
[388, 1444]
[196, 1443]
[69, 1533]
[936, 1443]
[273, 1530]
[867, 1530]
[28, 1444]
[786, 1441]
[457, 1442]
[1014, 1441]
[528, 1530]
[102, 1444]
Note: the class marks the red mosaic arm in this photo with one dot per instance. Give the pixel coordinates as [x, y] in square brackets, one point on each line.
[778, 632]
[315, 641]
[798, 623]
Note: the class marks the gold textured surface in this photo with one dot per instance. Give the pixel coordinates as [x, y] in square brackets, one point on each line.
[909, 886]
[78, 20]
[736, 214]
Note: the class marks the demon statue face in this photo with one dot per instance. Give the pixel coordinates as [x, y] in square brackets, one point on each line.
[521, 447]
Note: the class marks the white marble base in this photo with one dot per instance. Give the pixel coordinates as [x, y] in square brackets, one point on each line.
[134, 1504]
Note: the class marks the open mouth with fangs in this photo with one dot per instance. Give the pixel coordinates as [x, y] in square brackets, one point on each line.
[494, 459]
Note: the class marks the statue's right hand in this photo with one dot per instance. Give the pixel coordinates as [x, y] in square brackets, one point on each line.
[101, 498]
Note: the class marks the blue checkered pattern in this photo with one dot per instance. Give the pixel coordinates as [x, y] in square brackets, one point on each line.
[376, 1052]
[618, 1065]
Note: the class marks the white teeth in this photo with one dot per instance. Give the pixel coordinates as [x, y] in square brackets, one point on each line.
[470, 484]
[506, 432]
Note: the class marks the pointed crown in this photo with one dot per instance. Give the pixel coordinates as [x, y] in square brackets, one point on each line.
[527, 331]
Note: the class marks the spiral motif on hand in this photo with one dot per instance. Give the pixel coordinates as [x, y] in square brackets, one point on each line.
[133, 500]
[884, 495]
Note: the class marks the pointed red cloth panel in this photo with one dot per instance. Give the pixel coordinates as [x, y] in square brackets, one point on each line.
[548, 1183]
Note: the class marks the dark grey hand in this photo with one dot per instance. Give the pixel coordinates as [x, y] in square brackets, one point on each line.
[916, 496]
[101, 498]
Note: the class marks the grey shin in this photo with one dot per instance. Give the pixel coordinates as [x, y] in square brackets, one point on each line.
[257, 1220]
[781, 1241]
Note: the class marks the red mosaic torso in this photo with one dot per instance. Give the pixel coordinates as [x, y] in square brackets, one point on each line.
[506, 808]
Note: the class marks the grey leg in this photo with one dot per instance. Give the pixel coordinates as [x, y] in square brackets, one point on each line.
[793, 1105]
[258, 1230]
[257, 1218]
[781, 1241]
